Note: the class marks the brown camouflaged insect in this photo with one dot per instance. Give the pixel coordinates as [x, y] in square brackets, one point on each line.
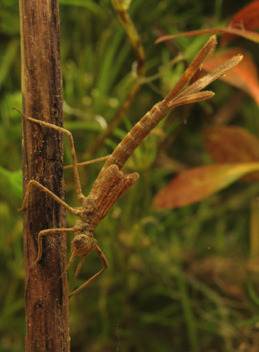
[111, 183]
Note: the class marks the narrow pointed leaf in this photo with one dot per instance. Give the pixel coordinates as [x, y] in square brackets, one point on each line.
[250, 35]
[199, 183]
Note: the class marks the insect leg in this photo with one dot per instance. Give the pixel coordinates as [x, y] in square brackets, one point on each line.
[50, 232]
[51, 194]
[106, 265]
[72, 150]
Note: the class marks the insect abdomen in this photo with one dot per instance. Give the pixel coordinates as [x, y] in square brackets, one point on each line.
[140, 131]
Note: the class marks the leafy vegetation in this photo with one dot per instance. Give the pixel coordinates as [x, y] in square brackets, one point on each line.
[179, 280]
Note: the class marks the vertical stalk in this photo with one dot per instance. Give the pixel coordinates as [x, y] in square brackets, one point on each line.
[46, 298]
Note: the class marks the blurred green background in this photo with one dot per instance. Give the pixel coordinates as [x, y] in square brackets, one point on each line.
[179, 280]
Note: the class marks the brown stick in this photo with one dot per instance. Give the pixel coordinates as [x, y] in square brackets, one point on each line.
[46, 298]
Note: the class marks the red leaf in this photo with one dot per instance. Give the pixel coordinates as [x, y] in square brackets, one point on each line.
[245, 19]
[244, 76]
[197, 184]
[232, 145]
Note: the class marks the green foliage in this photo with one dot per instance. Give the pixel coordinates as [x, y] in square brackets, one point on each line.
[177, 279]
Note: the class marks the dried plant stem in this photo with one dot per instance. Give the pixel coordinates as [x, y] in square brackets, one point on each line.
[46, 297]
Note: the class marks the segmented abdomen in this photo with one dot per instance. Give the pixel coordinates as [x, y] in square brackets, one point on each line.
[140, 131]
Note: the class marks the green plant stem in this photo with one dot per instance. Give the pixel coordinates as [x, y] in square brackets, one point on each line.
[188, 313]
